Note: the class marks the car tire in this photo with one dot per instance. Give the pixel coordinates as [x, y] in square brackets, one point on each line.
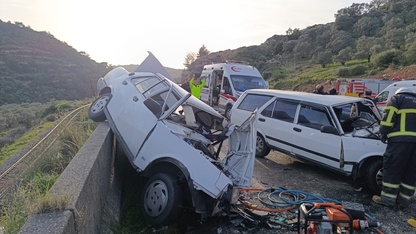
[261, 147]
[161, 199]
[96, 110]
[375, 176]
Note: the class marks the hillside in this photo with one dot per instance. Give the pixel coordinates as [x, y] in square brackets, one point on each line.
[36, 67]
[365, 40]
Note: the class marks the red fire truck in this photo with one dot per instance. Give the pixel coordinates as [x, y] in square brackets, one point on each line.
[353, 86]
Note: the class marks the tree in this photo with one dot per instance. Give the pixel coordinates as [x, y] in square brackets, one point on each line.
[302, 49]
[347, 17]
[288, 46]
[387, 58]
[203, 51]
[344, 22]
[324, 58]
[344, 55]
[189, 59]
[368, 26]
[410, 53]
[363, 47]
[378, 3]
[339, 41]
[293, 34]
[395, 38]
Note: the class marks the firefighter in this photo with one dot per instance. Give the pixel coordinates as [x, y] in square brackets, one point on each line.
[398, 130]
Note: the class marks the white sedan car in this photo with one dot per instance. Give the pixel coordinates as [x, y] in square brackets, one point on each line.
[174, 140]
[336, 132]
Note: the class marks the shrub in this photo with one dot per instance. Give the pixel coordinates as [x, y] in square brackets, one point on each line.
[344, 72]
[358, 70]
[388, 58]
[353, 71]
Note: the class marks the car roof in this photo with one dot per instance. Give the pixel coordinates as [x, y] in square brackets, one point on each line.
[403, 83]
[329, 100]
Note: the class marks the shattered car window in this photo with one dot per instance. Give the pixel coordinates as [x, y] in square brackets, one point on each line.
[148, 86]
[161, 102]
[158, 93]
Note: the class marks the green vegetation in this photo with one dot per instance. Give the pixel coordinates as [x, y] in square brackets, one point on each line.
[31, 196]
[10, 150]
[21, 124]
[364, 40]
[36, 67]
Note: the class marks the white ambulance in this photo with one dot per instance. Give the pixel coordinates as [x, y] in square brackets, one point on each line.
[225, 82]
[382, 98]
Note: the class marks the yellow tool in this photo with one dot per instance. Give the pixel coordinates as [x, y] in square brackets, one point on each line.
[412, 222]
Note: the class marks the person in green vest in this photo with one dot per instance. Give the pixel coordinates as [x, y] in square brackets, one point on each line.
[196, 84]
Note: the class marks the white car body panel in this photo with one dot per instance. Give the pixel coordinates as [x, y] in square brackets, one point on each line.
[337, 152]
[156, 121]
[163, 144]
[317, 146]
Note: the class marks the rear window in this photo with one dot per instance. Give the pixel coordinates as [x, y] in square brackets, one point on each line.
[253, 101]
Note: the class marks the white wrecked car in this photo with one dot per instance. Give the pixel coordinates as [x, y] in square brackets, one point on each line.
[174, 140]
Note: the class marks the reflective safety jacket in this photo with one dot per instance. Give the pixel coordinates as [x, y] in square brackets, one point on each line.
[196, 89]
[399, 118]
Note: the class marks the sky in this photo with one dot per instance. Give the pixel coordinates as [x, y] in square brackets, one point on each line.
[120, 32]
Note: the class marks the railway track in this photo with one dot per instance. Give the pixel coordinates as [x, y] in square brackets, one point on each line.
[20, 163]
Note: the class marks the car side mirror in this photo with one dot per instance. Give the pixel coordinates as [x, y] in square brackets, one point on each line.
[329, 129]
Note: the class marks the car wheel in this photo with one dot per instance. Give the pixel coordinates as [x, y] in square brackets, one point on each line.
[96, 110]
[261, 147]
[375, 176]
[228, 112]
[161, 199]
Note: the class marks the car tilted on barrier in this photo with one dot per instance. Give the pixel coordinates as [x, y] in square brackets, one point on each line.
[336, 132]
[174, 141]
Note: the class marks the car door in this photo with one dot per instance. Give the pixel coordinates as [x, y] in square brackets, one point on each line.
[275, 123]
[226, 94]
[206, 90]
[309, 143]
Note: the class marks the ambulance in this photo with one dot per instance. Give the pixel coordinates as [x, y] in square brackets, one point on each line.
[382, 98]
[225, 82]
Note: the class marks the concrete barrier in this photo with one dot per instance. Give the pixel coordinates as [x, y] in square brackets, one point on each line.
[91, 184]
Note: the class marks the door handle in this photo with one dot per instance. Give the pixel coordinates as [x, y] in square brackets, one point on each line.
[297, 129]
[135, 98]
[262, 120]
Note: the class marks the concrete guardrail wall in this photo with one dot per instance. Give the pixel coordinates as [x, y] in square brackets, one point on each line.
[91, 184]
